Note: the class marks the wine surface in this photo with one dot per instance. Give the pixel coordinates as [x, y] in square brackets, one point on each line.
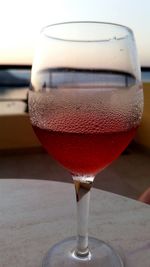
[84, 153]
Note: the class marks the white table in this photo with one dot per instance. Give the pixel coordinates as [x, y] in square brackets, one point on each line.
[36, 214]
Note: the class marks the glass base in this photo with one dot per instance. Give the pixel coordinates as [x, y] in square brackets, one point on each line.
[100, 255]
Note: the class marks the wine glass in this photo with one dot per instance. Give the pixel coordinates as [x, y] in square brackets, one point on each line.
[85, 104]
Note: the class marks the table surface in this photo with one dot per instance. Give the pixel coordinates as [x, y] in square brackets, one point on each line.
[34, 215]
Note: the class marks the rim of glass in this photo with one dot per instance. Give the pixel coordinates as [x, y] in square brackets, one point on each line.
[128, 31]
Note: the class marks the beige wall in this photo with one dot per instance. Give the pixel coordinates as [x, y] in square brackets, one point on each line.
[143, 133]
[16, 132]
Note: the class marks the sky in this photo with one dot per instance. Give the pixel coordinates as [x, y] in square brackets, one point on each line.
[21, 22]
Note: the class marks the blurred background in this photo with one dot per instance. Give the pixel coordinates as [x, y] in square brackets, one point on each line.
[21, 155]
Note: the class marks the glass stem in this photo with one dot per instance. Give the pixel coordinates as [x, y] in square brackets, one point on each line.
[83, 185]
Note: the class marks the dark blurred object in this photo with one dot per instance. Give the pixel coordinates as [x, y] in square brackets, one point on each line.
[14, 84]
[14, 76]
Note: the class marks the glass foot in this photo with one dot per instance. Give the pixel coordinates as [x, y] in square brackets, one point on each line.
[100, 255]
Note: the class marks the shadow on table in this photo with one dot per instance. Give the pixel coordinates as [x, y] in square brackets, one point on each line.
[31, 165]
